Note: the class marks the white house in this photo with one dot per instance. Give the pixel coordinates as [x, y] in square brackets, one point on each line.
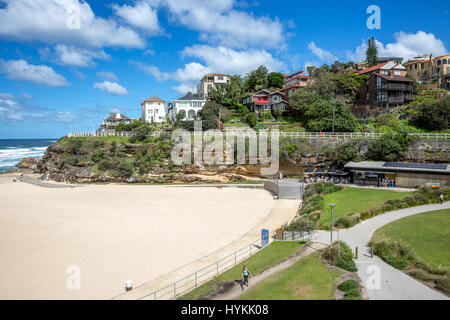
[153, 110]
[188, 104]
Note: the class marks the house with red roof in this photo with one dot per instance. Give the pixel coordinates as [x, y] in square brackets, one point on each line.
[153, 110]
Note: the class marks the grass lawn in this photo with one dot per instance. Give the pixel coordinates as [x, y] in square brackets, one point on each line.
[307, 279]
[428, 235]
[356, 200]
[264, 259]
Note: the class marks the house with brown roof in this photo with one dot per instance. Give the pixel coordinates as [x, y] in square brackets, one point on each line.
[153, 110]
[109, 124]
[386, 91]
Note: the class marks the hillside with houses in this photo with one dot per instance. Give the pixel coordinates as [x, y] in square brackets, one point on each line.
[382, 94]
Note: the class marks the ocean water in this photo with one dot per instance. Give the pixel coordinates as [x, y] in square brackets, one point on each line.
[12, 150]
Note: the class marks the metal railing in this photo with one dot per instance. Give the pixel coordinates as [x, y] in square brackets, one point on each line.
[203, 275]
[284, 134]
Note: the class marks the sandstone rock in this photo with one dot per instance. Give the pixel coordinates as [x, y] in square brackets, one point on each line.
[28, 163]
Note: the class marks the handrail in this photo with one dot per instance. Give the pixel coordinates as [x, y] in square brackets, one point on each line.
[197, 278]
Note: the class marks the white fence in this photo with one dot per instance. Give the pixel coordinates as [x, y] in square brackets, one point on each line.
[308, 135]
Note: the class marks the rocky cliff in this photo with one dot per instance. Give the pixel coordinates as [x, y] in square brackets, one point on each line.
[93, 160]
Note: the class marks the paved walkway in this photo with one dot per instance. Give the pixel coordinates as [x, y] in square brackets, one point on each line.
[284, 211]
[394, 284]
[235, 291]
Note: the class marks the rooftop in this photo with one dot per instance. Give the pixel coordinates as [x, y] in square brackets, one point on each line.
[153, 99]
[190, 97]
[398, 166]
[394, 78]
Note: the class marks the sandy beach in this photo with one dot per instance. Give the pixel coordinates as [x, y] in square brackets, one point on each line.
[113, 233]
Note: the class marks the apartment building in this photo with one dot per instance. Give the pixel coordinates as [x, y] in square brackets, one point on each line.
[210, 81]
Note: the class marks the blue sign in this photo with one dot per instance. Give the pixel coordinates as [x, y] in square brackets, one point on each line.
[264, 237]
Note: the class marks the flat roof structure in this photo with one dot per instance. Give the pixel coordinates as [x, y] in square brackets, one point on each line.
[388, 167]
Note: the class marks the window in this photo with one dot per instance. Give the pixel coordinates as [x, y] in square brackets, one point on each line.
[397, 72]
[439, 62]
[422, 66]
[220, 77]
[415, 66]
[444, 61]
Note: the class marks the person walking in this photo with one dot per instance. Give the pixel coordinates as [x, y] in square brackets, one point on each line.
[245, 274]
[441, 198]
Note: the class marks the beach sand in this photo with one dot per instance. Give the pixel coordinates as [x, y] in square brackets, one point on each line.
[113, 233]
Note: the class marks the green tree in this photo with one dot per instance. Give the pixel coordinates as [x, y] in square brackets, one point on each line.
[251, 119]
[389, 147]
[256, 80]
[276, 80]
[181, 115]
[316, 112]
[277, 113]
[434, 115]
[345, 153]
[372, 52]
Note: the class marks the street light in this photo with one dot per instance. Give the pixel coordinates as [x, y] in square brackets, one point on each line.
[332, 205]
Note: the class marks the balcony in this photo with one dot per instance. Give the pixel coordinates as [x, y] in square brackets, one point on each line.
[395, 87]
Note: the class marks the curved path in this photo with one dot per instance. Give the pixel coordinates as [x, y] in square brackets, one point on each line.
[236, 290]
[392, 284]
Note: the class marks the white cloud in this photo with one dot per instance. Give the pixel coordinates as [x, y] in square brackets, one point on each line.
[192, 72]
[323, 55]
[6, 95]
[112, 88]
[214, 59]
[107, 75]
[38, 74]
[183, 89]
[47, 21]
[17, 109]
[79, 57]
[152, 70]
[218, 22]
[142, 16]
[406, 45]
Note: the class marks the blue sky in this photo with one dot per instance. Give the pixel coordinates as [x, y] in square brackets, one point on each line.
[56, 74]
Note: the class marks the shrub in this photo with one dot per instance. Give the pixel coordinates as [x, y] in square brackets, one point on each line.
[443, 284]
[421, 275]
[394, 253]
[348, 285]
[347, 265]
[341, 257]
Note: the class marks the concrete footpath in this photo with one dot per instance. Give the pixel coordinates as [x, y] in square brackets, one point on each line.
[283, 211]
[393, 283]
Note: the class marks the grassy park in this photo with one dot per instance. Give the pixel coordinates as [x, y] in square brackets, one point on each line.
[268, 257]
[307, 279]
[427, 234]
[418, 245]
[356, 200]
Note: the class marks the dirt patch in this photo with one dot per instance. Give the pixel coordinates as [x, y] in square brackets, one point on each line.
[223, 288]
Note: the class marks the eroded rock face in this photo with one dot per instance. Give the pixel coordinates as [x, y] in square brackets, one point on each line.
[28, 163]
[311, 153]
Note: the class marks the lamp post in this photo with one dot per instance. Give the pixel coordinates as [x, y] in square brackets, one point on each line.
[332, 205]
